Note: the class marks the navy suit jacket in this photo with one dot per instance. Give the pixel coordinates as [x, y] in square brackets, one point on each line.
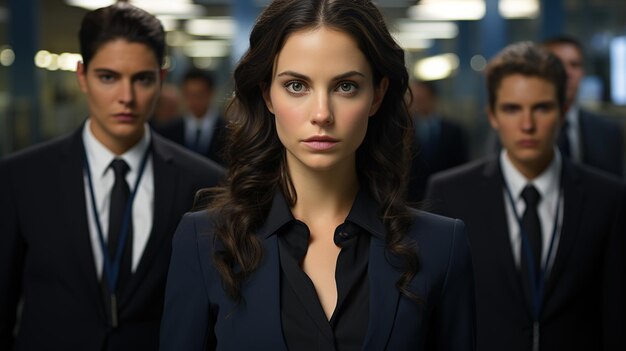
[199, 315]
[584, 305]
[46, 254]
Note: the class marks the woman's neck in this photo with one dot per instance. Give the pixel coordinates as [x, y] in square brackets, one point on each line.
[324, 195]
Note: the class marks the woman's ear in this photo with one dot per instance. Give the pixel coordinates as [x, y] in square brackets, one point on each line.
[379, 95]
[265, 91]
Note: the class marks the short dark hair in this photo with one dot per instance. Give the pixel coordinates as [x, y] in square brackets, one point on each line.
[120, 21]
[198, 74]
[529, 60]
[565, 40]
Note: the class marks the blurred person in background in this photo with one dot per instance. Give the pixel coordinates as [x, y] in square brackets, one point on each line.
[586, 137]
[168, 106]
[202, 129]
[439, 143]
[87, 219]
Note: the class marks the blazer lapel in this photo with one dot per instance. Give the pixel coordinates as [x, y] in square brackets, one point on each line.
[384, 296]
[499, 236]
[165, 187]
[70, 176]
[573, 200]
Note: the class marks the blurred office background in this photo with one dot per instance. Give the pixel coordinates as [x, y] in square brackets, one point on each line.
[448, 41]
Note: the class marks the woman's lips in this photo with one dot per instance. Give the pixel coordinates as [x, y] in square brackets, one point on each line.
[320, 143]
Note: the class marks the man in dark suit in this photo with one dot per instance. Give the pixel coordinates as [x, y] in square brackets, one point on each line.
[87, 219]
[439, 143]
[586, 137]
[546, 235]
[202, 129]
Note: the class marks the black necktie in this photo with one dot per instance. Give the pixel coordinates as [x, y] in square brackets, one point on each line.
[119, 198]
[563, 141]
[532, 225]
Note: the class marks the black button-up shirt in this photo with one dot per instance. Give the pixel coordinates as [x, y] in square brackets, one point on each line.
[305, 326]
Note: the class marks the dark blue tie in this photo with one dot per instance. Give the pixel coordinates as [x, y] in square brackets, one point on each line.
[119, 198]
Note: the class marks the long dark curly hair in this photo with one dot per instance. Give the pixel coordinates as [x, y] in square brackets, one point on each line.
[257, 157]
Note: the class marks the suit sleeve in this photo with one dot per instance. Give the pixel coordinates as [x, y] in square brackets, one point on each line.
[614, 282]
[455, 316]
[12, 251]
[186, 322]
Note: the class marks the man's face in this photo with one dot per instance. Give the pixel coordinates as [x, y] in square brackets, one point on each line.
[122, 84]
[572, 60]
[527, 118]
[198, 96]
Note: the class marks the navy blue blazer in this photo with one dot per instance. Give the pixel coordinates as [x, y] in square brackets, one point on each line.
[198, 314]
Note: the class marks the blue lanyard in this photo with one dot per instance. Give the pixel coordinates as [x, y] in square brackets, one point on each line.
[111, 269]
[536, 283]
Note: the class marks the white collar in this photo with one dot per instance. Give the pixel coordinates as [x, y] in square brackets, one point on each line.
[546, 183]
[100, 157]
[203, 123]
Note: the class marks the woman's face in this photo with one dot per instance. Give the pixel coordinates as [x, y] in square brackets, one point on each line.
[322, 95]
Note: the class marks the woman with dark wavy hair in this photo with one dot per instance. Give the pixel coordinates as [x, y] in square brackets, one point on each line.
[309, 244]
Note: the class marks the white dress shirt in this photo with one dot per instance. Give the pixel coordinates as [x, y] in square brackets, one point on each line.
[206, 124]
[548, 184]
[99, 159]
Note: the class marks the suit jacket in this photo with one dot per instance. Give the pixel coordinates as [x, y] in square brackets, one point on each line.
[175, 131]
[198, 313]
[46, 255]
[602, 142]
[583, 306]
[447, 150]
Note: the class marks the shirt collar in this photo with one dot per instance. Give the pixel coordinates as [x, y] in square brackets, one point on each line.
[546, 182]
[364, 213]
[204, 123]
[100, 157]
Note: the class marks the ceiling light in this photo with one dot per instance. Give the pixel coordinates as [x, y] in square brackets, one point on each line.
[447, 10]
[155, 7]
[512, 9]
[222, 27]
[206, 48]
[436, 67]
[429, 30]
[408, 41]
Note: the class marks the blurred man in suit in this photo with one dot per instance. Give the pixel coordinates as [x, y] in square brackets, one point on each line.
[202, 129]
[586, 137]
[439, 143]
[87, 219]
[547, 235]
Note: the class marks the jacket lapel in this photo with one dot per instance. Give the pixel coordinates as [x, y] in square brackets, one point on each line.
[573, 200]
[384, 296]
[165, 187]
[499, 235]
[70, 177]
